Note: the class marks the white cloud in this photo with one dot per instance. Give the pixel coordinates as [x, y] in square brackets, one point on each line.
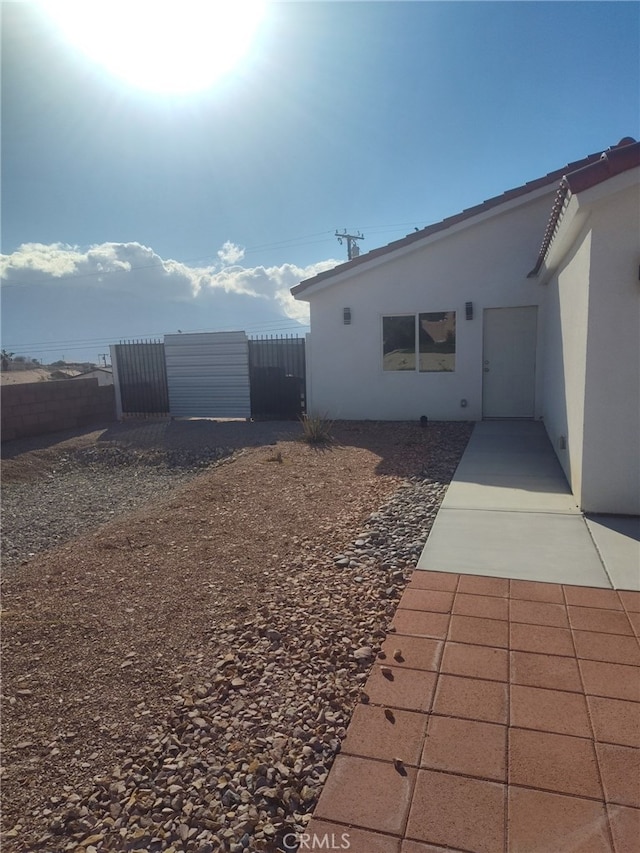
[230, 253]
[137, 269]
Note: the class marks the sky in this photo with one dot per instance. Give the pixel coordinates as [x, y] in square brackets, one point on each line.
[128, 213]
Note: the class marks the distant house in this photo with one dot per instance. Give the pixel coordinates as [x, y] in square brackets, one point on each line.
[524, 306]
[104, 375]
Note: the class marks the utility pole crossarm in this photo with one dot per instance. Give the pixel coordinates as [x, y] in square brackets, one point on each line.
[353, 250]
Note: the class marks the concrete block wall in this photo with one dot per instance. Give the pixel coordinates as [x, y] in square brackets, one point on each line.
[36, 408]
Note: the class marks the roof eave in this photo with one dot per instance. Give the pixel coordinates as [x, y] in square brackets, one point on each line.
[441, 230]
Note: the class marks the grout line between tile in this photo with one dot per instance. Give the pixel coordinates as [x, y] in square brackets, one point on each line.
[431, 704]
[602, 802]
[506, 753]
[593, 731]
[358, 827]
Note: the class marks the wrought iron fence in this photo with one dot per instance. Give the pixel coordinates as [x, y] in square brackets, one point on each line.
[277, 377]
[277, 374]
[142, 377]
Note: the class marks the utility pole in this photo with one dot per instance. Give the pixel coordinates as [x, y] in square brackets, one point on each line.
[103, 356]
[353, 250]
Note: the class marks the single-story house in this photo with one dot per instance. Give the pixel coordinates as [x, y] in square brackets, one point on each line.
[524, 306]
[104, 375]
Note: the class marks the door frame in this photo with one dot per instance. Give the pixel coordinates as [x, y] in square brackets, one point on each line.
[531, 352]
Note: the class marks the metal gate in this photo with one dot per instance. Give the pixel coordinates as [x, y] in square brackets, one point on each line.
[208, 375]
[277, 375]
[140, 377]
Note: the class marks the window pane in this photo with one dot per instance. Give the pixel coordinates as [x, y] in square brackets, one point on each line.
[399, 343]
[437, 337]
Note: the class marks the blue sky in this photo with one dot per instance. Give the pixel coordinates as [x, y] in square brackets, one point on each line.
[127, 213]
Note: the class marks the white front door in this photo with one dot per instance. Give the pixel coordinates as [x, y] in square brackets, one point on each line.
[509, 362]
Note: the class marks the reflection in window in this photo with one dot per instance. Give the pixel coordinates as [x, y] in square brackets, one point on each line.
[399, 342]
[437, 341]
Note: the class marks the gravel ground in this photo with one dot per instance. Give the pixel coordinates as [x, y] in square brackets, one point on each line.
[209, 716]
[51, 497]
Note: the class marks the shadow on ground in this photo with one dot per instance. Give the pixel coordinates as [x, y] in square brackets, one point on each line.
[414, 450]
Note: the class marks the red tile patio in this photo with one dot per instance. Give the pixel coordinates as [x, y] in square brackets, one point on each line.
[507, 718]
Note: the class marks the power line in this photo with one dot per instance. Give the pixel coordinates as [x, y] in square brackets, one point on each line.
[89, 343]
[292, 242]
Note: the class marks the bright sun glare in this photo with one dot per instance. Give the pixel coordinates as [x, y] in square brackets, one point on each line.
[171, 46]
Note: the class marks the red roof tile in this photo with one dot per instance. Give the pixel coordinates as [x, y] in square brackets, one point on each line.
[621, 157]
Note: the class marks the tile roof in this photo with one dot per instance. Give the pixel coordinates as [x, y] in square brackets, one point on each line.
[579, 170]
[617, 159]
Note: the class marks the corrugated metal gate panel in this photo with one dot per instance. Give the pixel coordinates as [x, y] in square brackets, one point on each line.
[208, 375]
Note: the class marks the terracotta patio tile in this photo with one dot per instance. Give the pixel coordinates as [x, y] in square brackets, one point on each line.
[607, 647]
[410, 689]
[431, 600]
[625, 827]
[549, 711]
[471, 699]
[553, 762]
[420, 624]
[634, 619]
[630, 600]
[615, 720]
[538, 613]
[536, 591]
[477, 585]
[323, 835]
[467, 747]
[368, 794]
[485, 606]
[475, 661]
[586, 596]
[482, 632]
[541, 638]
[453, 811]
[372, 735]
[598, 619]
[540, 821]
[444, 581]
[550, 671]
[620, 770]
[614, 680]
[419, 847]
[416, 652]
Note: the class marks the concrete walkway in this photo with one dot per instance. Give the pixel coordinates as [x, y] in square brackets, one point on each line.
[509, 512]
[503, 712]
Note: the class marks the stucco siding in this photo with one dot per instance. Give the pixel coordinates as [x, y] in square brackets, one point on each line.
[565, 321]
[611, 468]
[486, 264]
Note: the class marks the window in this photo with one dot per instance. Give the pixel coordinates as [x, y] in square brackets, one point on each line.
[437, 341]
[424, 342]
[399, 342]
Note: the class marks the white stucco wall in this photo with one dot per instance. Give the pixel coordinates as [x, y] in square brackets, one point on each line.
[565, 323]
[591, 363]
[611, 454]
[485, 262]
